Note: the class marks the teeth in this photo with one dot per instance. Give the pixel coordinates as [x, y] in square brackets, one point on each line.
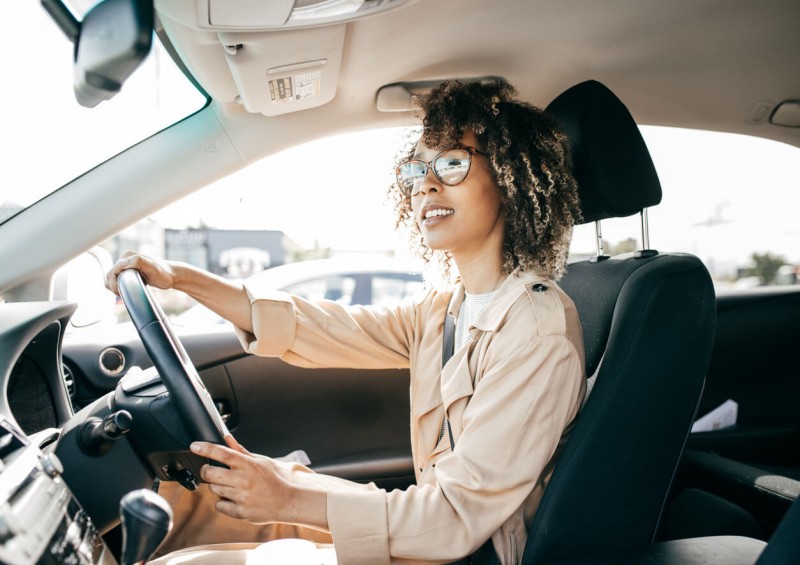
[440, 212]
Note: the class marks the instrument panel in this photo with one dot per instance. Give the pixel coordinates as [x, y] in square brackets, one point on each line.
[40, 521]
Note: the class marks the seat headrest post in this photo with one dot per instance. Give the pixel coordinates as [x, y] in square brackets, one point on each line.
[645, 251]
[645, 229]
[601, 252]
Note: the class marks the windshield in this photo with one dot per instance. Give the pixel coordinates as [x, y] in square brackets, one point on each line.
[43, 123]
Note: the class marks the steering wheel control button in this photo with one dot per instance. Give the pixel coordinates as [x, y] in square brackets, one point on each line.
[97, 436]
[185, 477]
[111, 361]
[117, 424]
[51, 465]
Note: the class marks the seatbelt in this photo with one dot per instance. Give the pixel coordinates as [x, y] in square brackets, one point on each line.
[485, 554]
[448, 347]
[449, 341]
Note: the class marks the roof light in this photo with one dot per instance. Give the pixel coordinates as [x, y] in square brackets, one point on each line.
[282, 14]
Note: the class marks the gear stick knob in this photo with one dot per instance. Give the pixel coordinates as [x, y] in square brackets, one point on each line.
[146, 521]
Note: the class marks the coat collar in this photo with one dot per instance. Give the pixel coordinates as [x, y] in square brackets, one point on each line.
[444, 389]
[510, 290]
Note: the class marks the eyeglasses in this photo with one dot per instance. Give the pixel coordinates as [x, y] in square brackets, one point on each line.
[450, 167]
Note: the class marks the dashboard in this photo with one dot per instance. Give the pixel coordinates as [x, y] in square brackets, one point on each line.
[41, 521]
[35, 395]
[71, 465]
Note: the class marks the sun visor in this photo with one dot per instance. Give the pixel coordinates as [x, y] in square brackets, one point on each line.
[281, 72]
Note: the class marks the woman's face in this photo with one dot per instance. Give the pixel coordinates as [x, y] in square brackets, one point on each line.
[465, 219]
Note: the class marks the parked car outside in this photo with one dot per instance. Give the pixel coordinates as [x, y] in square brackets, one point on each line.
[368, 280]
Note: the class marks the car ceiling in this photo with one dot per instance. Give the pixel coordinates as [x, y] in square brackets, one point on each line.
[708, 64]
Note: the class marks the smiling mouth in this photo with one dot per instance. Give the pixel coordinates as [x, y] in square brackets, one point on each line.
[437, 212]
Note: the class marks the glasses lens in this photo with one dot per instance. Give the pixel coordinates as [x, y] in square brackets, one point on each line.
[411, 174]
[452, 166]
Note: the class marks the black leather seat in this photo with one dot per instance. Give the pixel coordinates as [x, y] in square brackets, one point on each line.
[648, 321]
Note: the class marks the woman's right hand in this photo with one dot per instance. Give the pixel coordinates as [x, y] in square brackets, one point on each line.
[157, 273]
[227, 298]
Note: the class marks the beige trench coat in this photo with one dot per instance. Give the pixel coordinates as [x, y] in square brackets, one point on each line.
[511, 394]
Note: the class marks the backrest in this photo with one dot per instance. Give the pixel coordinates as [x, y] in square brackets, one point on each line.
[648, 322]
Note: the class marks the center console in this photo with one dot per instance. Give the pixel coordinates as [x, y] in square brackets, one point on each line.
[40, 520]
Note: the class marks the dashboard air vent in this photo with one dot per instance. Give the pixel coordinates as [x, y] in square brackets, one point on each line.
[69, 380]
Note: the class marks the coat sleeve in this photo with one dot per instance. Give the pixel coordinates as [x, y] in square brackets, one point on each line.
[328, 334]
[510, 429]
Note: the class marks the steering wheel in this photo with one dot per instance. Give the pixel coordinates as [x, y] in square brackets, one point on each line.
[190, 396]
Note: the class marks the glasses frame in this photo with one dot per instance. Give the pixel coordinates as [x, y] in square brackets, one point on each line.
[429, 167]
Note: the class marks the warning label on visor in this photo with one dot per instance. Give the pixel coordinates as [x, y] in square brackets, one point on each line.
[280, 90]
[299, 87]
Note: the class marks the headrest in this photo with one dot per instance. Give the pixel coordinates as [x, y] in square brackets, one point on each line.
[615, 173]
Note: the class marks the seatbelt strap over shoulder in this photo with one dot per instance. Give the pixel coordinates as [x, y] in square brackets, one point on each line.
[448, 347]
[449, 341]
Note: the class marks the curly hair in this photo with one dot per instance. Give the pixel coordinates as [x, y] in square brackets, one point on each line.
[532, 167]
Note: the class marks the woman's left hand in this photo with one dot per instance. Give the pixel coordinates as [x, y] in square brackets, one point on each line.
[252, 488]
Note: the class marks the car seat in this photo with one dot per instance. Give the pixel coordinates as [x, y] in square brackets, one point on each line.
[648, 321]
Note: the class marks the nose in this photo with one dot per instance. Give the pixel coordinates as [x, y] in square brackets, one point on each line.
[429, 183]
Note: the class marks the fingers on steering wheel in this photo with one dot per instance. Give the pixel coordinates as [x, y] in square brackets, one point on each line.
[218, 453]
[121, 264]
[111, 282]
[137, 262]
[216, 477]
[231, 442]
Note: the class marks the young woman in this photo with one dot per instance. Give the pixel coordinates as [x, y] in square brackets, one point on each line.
[488, 194]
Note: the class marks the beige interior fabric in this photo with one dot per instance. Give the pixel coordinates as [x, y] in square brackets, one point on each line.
[252, 554]
[197, 523]
[228, 553]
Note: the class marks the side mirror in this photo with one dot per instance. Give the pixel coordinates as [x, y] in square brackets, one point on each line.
[82, 281]
[111, 42]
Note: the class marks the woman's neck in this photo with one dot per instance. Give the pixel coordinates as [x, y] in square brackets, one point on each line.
[480, 274]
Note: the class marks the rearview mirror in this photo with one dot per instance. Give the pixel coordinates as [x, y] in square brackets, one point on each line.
[111, 42]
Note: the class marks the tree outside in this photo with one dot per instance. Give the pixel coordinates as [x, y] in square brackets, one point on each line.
[766, 266]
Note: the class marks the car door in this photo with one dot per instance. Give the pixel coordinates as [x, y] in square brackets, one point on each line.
[743, 471]
[755, 364]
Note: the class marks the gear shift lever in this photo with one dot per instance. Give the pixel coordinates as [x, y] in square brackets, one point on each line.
[146, 521]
